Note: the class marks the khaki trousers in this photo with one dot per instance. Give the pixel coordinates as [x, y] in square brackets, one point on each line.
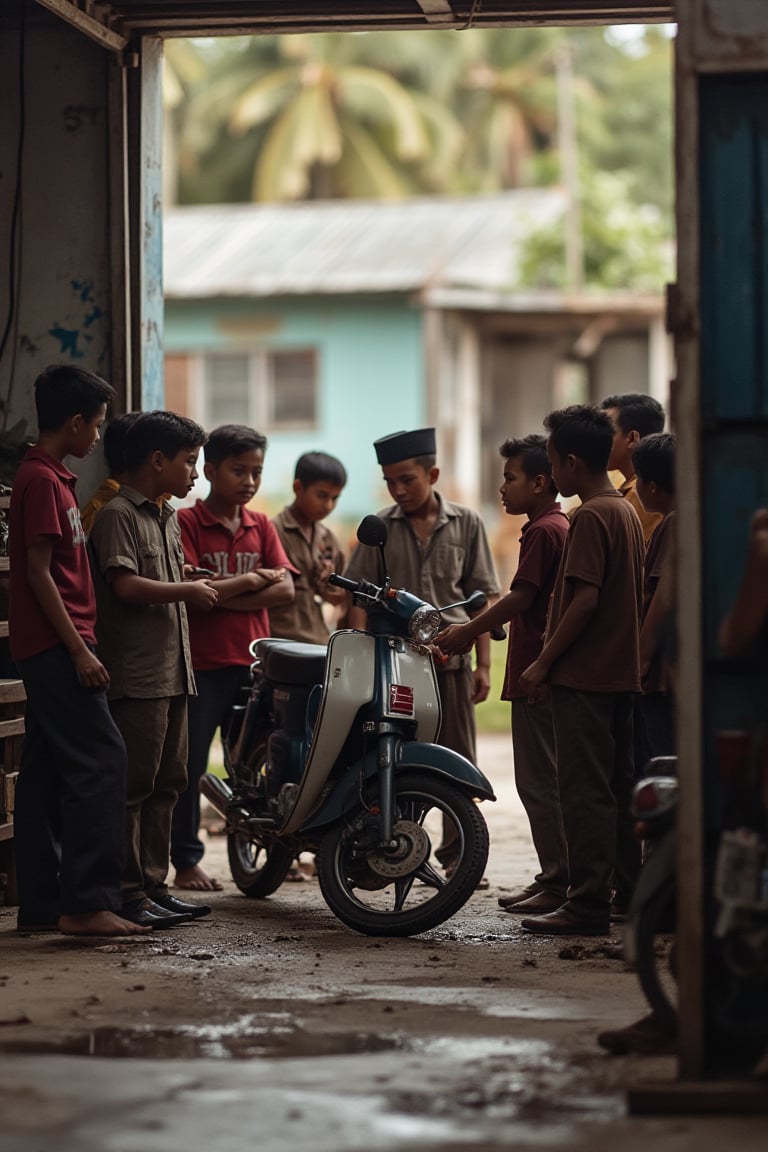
[155, 735]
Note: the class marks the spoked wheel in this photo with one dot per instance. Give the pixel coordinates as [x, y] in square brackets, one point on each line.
[401, 891]
[656, 955]
[258, 868]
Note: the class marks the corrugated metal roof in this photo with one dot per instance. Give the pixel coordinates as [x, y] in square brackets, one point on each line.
[338, 247]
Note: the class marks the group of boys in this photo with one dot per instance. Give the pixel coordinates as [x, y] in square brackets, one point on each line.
[105, 646]
[125, 688]
[584, 664]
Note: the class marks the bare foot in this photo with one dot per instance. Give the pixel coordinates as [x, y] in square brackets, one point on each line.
[99, 924]
[197, 880]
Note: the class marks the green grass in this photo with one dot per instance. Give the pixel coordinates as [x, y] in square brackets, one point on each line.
[493, 715]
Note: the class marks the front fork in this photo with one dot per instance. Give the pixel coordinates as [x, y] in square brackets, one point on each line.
[385, 763]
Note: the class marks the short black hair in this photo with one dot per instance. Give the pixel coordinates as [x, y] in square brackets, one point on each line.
[233, 440]
[653, 459]
[532, 451]
[160, 432]
[584, 431]
[316, 467]
[636, 412]
[113, 441]
[426, 462]
[63, 391]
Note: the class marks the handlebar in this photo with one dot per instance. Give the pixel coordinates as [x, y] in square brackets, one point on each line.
[343, 582]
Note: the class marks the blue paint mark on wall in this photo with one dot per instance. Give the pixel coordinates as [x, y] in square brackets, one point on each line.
[67, 338]
[84, 289]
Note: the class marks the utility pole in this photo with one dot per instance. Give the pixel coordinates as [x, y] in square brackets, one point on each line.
[569, 166]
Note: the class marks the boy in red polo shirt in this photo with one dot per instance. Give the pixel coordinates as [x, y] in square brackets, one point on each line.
[70, 795]
[528, 490]
[251, 574]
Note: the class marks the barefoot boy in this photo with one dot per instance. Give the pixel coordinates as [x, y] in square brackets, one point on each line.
[137, 561]
[591, 663]
[528, 490]
[251, 574]
[70, 796]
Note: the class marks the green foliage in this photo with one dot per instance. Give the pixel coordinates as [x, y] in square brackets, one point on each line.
[626, 245]
[390, 114]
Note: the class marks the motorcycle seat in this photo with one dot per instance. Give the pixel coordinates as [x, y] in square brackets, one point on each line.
[290, 662]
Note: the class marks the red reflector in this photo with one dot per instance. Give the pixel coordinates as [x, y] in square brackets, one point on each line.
[645, 799]
[401, 699]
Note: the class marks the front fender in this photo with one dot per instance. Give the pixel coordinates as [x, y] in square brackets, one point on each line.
[428, 757]
[446, 763]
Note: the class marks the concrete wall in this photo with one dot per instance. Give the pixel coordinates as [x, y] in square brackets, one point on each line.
[64, 297]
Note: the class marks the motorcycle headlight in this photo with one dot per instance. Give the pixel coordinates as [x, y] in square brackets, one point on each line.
[425, 624]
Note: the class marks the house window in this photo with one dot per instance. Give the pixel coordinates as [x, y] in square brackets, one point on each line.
[274, 389]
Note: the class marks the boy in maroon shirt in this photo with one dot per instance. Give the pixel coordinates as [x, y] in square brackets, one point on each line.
[590, 663]
[251, 573]
[70, 795]
[528, 490]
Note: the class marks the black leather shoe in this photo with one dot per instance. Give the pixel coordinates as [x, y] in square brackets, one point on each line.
[173, 904]
[565, 922]
[150, 915]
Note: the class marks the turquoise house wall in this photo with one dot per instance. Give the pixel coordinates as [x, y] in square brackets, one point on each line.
[370, 371]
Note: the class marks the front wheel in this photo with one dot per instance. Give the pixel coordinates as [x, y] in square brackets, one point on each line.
[401, 891]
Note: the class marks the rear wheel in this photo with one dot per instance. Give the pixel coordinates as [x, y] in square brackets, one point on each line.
[257, 869]
[401, 891]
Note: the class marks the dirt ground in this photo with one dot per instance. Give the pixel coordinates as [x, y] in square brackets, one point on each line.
[270, 1024]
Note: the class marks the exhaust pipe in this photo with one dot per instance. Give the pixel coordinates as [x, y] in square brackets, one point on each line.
[217, 792]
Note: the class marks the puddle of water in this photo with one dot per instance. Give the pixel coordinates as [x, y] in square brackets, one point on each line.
[241, 1040]
[524, 1004]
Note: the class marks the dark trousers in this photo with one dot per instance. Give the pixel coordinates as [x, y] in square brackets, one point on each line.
[70, 795]
[654, 728]
[155, 734]
[457, 732]
[533, 744]
[217, 691]
[593, 740]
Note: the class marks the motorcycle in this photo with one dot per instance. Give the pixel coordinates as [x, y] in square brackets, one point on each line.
[652, 909]
[332, 752]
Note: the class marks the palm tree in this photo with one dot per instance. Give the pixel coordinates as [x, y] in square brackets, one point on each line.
[330, 126]
[510, 104]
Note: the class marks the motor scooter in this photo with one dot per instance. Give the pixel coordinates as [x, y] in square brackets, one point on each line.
[333, 752]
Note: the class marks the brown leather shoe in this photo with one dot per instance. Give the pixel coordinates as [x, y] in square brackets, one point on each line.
[564, 922]
[518, 897]
[536, 905]
[647, 1037]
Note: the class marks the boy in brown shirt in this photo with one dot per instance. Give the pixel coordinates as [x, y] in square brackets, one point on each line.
[634, 415]
[591, 663]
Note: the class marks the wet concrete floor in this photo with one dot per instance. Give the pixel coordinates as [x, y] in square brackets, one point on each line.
[269, 1025]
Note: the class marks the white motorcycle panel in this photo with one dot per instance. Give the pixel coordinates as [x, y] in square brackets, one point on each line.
[349, 683]
[416, 670]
